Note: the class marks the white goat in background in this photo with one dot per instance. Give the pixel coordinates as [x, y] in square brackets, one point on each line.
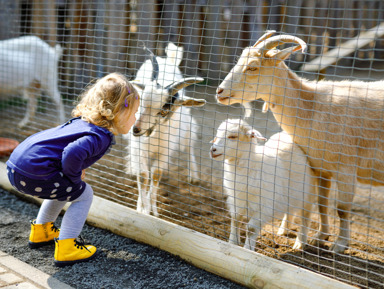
[338, 124]
[168, 67]
[164, 126]
[263, 182]
[28, 66]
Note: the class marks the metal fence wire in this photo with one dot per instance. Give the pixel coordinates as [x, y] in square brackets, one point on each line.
[64, 45]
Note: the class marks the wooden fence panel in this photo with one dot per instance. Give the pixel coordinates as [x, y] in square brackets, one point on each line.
[9, 19]
[192, 37]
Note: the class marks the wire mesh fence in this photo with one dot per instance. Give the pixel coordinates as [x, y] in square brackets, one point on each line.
[344, 42]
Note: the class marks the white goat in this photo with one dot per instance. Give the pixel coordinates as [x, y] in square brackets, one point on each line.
[164, 125]
[337, 124]
[29, 65]
[263, 182]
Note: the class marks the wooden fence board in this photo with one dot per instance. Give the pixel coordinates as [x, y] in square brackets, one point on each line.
[344, 49]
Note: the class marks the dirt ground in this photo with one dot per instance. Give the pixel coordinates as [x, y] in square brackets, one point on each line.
[201, 205]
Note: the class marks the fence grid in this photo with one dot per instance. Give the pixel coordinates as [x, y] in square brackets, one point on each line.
[344, 42]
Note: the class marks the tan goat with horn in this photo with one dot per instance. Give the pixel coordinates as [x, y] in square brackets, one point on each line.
[339, 125]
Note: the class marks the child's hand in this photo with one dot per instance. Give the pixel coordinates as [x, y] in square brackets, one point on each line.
[83, 175]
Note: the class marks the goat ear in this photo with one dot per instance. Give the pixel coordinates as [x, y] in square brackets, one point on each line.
[265, 107]
[285, 53]
[256, 134]
[191, 102]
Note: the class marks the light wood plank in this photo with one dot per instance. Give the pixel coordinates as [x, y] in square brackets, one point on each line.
[344, 49]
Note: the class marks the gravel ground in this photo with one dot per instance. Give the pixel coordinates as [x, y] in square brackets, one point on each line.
[120, 263]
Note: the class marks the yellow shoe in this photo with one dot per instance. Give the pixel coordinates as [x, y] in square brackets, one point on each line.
[42, 234]
[72, 251]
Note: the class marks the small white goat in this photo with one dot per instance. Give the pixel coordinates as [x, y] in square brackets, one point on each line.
[338, 124]
[29, 65]
[263, 182]
[164, 125]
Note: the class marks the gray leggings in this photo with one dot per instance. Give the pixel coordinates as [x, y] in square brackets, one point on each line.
[74, 218]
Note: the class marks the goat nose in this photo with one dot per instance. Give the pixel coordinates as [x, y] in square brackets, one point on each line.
[136, 129]
[219, 90]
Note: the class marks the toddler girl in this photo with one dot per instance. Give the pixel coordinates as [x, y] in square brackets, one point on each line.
[50, 164]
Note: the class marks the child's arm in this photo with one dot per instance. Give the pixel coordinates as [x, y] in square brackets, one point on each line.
[80, 154]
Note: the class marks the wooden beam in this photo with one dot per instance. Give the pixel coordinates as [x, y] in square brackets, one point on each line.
[44, 20]
[117, 35]
[10, 16]
[219, 257]
[147, 25]
[344, 49]
[191, 38]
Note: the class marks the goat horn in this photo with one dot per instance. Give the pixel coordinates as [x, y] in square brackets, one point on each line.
[281, 39]
[138, 84]
[266, 35]
[174, 87]
[155, 64]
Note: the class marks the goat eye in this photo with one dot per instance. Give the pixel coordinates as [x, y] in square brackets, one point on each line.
[162, 113]
[251, 68]
[232, 137]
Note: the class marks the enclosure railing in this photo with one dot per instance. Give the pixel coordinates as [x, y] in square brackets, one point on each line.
[344, 39]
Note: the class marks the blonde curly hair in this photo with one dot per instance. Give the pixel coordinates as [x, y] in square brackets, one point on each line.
[103, 100]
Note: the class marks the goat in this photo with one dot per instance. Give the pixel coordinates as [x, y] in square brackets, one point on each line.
[337, 124]
[164, 125]
[29, 65]
[263, 182]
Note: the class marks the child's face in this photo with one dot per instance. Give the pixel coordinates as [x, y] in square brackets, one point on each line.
[126, 119]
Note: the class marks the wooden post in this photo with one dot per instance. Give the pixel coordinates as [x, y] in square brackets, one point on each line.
[256, 28]
[146, 29]
[292, 16]
[274, 18]
[44, 20]
[117, 36]
[235, 28]
[9, 19]
[99, 38]
[170, 21]
[191, 38]
[77, 45]
[212, 58]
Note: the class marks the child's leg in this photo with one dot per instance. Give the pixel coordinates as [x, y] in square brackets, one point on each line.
[43, 230]
[68, 250]
[76, 214]
[49, 211]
